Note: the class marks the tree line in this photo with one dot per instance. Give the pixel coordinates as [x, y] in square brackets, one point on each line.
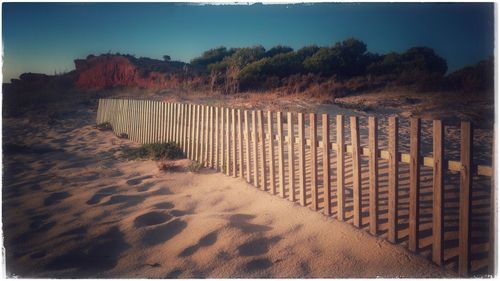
[231, 70]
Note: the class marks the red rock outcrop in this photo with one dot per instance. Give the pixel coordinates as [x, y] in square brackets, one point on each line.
[107, 71]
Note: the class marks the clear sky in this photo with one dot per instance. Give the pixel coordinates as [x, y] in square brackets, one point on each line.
[44, 38]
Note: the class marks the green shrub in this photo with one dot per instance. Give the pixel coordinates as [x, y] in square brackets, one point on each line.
[106, 126]
[156, 151]
[194, 167]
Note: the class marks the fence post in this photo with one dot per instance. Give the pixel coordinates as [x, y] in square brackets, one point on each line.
[437, 191]
[140, 121]
[99, 112]
[493, 216]
[393, 179]
[270, 123]
[373, 167]
[233, 136]
[206, 135]
[302, 166]
[165, 119]
[262, 150]
[149, 122]
[465, 198]
[414, 184]
[357, 194]
[182, 137]
[227, 147]
[216, 132]
[240, 145]
[255, 143]
[202, 137]
[281, 162]
[340, 169]
[326, 164]
[192, 127]
[199, 126]
[314, 155]
[168, 128]
[175, 119]
[247, 146]
[291, 168]
[222, 140]
[211, 138]
[156, 117]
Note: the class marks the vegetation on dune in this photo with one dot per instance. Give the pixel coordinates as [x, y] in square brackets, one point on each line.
[155, 151]
[335, 67]
[106, 126]
[334, 71]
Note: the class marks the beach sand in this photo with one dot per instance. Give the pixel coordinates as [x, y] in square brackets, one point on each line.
[72, 207]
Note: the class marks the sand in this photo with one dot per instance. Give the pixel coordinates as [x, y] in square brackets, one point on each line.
[72, 207]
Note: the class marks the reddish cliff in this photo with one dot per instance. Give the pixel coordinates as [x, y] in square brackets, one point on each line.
[108, 71]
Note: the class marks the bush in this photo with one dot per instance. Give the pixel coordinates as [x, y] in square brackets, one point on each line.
[106, 126]
[194, 167]
[167, 166]
[156, 151]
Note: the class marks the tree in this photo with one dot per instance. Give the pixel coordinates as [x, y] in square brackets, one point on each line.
[278, 50]
[211, 56]
[166, 58]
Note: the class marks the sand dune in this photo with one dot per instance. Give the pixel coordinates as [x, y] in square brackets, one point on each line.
[73, 208]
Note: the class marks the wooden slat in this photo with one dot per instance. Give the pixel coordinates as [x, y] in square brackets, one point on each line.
[240, 145]
[169, 122]
[185, 126]
[222, 147]
[270, 125]
[176, 122]
[228, 144]
[142, 128]
[281, 161]
[207, 136]
[302, 160]
[197, 134]
[192, 137]
[262, 150]
[247, 147]
[437, 192]
[393, 137]
[211, 137]
[233, 141]
[465, 198]
[326, 162]
[414, 184]
[340, 169]
[201, 140]
[373, 172]
[291, 162]
[493, 216]
[255, 147]
[216, 133]
[314, 162]
[356, 172]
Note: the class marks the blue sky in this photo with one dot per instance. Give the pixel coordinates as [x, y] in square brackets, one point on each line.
[44, 38]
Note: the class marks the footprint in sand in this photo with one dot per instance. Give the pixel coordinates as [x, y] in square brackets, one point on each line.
[56, 198]
[163, 232]
[102, 193]
[164, 205]
[258, 264]
[138, 180]
[145, 187]
[205, 241]
[151, 218]
[257, 246]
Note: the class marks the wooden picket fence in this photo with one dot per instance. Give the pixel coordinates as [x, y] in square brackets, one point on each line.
[304, 160]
